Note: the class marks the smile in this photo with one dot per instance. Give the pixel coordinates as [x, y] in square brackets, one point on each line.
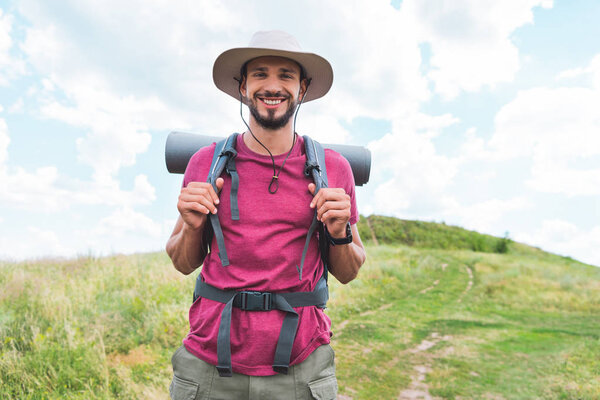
[272, 102]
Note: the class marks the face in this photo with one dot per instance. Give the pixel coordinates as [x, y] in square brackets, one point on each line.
[273, 90]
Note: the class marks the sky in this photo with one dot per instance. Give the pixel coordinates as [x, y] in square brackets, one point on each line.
[479, 113]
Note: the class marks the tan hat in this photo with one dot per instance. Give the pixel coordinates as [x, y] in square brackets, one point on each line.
[228, 65]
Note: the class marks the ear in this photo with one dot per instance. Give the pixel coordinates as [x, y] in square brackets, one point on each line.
[242, 87]
[303, 86]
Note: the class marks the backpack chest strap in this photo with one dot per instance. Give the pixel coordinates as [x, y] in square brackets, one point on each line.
[260, 301]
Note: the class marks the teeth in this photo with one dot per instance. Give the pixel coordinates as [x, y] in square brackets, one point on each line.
[271, 102]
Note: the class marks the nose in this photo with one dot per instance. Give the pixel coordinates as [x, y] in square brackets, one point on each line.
[272, 84]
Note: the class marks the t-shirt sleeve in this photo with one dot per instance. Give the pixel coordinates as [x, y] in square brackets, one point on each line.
[339, 175]
[198, 166]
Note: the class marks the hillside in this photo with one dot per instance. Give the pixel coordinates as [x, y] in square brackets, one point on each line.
[436, 311]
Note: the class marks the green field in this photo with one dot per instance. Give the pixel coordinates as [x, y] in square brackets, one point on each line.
[436, 311]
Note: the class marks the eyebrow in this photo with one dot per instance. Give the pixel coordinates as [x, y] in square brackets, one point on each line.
[263, 69]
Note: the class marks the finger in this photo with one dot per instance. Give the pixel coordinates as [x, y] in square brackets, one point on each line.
[332, 206]
[203, 199]
[191, 207]
[330, 195]
[219, 183]
[204, 189]
[336, 217]
[215, 195]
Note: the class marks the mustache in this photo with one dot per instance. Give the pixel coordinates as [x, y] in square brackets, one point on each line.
[272, 94]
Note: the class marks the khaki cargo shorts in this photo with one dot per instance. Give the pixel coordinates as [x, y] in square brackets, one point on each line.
[314, 378]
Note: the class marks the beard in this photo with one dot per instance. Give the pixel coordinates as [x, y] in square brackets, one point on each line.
[270, 121]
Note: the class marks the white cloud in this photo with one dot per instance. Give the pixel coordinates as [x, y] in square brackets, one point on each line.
[4, 141]
[484, 216]
[557, 129]
[10, 66]
[17, 245]
[471, 40]
[474, 147]
[592, 70]
[45, 189]
[126, 221]
[565, 238]
[127, 231]
[123, 231]
[325, 129]
[17, 106]
[407, 170]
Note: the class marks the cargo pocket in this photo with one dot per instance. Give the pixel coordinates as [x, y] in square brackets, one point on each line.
[181, 389]
[324, 388]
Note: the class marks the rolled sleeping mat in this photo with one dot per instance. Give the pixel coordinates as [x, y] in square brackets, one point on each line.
[181, 146]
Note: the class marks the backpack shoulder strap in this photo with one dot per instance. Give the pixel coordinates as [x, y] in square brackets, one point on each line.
[223, 158]
[315, 162]
[316, 169]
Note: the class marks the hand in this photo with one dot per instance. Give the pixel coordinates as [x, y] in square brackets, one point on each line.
[333, 209]
[196, 201]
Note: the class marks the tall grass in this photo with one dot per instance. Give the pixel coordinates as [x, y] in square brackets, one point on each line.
[89, 328]
[515, 325]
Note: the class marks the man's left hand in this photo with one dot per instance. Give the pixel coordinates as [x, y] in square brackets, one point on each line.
[333, 209]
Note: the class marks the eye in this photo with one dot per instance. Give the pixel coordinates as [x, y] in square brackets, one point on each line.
[286, 76]
[259, 75]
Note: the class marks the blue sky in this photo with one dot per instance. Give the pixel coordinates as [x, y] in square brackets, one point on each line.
[482, 114]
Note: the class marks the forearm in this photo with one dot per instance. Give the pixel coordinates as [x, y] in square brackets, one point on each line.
[345, 260]
[186, 247]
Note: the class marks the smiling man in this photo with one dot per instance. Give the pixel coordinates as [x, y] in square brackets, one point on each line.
[257, 325]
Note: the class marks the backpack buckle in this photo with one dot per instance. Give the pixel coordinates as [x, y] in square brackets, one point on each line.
[255, 301]
[309, 166]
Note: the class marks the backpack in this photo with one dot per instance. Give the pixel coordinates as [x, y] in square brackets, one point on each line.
[224, 160]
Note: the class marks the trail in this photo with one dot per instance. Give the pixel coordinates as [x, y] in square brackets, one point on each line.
[375, 241]
[345, 322]
[469, 284]
[435, 283]
[418, 389]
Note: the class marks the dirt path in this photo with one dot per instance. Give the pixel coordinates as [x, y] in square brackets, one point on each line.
[423, 359]
[375, 241]
[342, 325]
[469, 284]
[418, 389]
[435, 283]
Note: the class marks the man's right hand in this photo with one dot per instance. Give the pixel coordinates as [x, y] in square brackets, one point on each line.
[196, 201]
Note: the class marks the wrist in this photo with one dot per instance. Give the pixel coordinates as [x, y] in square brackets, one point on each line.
[191, 229]
[337, 239]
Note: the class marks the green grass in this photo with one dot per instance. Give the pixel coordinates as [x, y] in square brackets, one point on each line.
[528, 325]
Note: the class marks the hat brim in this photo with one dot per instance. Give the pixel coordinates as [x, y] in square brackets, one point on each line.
[226, 70]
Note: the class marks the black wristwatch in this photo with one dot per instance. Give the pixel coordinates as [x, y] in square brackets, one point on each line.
[335, 241]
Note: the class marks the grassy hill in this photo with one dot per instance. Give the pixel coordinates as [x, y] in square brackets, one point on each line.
[436, 311]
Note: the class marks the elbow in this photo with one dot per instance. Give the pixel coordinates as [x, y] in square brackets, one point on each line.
[176, 260]
[347, 279]
[348, 276]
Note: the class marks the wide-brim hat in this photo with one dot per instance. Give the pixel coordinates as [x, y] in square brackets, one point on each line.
[227, 67]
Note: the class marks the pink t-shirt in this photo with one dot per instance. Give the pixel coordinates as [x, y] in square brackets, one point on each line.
[264, 247]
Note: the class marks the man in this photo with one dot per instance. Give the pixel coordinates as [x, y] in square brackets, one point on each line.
[280, 352]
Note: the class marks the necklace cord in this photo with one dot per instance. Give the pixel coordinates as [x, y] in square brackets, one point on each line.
[274, 185]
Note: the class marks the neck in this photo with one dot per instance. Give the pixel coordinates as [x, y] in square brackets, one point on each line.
[278, 141]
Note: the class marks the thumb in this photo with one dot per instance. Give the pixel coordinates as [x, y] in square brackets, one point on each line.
[311, 188]
[219, 182]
